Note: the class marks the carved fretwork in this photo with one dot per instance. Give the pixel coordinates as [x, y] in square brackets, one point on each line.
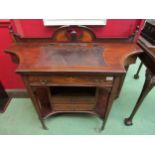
[16, 37]
[74, 34]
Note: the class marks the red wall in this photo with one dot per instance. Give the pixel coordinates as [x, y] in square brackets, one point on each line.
[8, 76]
[35, 28]
[113, 28]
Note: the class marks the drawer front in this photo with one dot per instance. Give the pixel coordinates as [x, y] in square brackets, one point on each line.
[69, 80]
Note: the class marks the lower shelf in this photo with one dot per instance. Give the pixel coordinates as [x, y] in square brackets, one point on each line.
[71, 107]
[73, 98]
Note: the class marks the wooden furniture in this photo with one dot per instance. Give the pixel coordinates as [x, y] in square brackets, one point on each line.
[148, 31]
[136, 76]
[148, 59]
[4, 99]
[73, 71]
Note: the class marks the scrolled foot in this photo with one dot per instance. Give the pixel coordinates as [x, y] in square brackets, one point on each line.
[136, 76]
[127, 121]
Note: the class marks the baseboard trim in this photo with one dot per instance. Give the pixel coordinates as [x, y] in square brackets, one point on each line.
[17, 93]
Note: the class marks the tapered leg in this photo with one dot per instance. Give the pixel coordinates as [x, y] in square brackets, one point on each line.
[136, 76]
[35, 102]
[148, 85]
[110, 101]
[121, 82]
[43, 124]
[103, 125]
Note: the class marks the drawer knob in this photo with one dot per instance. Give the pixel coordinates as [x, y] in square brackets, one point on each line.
[71, 78]
[44, 81]
[98, 81]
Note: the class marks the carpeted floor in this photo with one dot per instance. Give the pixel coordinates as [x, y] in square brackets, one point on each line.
[21, 118]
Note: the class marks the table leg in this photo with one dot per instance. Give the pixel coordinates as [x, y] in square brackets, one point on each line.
[121, 83]
[136, 76]
[43, 124]
[35, 102]
[148, 85]
[110, 101]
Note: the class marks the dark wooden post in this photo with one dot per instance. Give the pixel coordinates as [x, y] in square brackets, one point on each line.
[4, 99]
[136, 76]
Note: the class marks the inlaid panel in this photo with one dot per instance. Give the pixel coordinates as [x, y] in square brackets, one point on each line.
[73, 56]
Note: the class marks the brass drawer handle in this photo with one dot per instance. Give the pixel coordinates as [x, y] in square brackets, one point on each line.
[71, 78]
[44, 81]
[98, 80]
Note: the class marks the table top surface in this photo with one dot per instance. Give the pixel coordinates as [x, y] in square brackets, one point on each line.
[73, 57]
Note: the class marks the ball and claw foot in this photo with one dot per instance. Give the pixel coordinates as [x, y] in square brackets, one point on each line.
[136, 76]
[128, 121]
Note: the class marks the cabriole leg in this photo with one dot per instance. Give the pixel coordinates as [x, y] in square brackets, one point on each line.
[148, 85]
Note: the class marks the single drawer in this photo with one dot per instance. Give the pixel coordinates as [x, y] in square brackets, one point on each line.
[70, 80]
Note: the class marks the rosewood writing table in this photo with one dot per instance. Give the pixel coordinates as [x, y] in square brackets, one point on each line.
[73, 71]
